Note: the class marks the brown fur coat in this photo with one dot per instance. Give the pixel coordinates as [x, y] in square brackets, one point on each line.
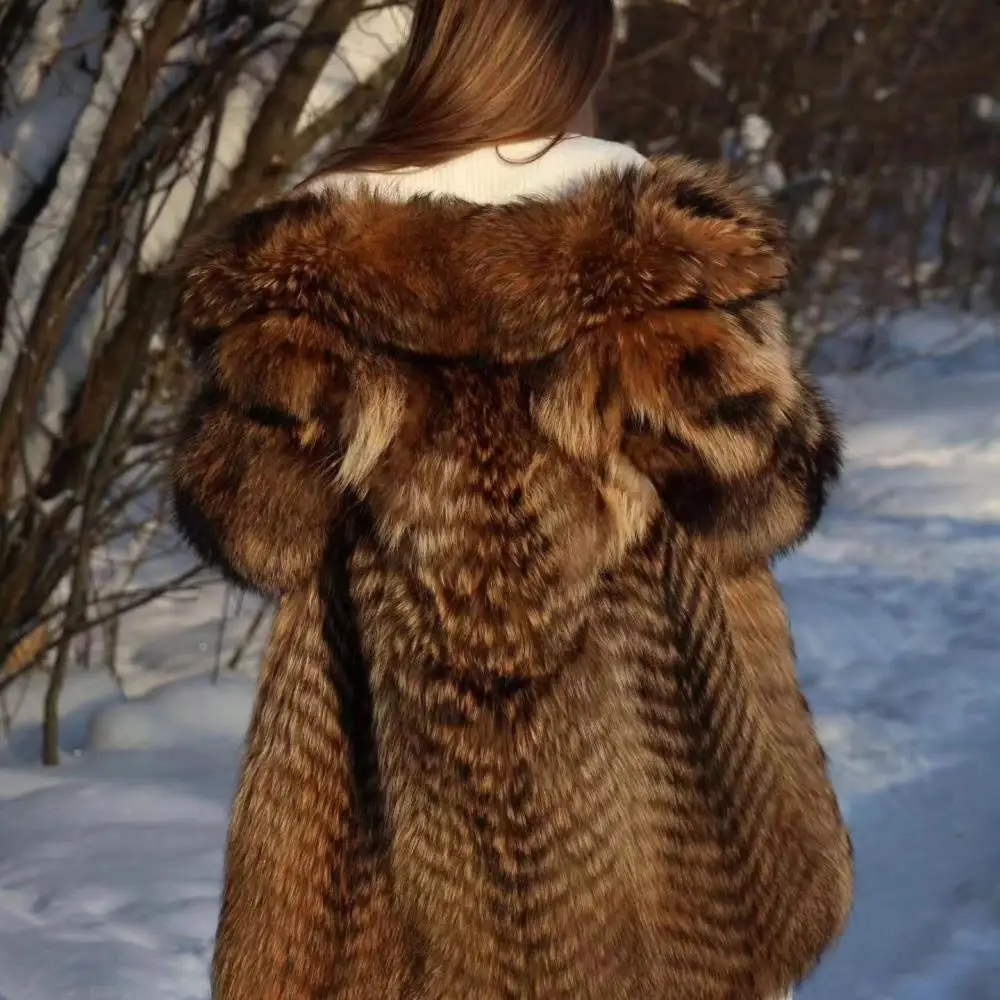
[529, 724]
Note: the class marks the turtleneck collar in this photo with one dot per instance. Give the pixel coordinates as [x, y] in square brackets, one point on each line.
[495, 175]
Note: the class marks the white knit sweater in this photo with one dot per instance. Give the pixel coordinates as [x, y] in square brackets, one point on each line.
[493, 175]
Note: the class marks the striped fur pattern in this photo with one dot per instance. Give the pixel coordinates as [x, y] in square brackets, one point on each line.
[529, 725]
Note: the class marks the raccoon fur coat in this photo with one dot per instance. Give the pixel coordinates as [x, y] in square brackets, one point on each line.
[529, 724]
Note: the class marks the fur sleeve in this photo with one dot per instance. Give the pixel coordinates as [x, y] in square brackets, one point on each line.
[253, 475]
[739, 441]
[683, 360]
[765, 769]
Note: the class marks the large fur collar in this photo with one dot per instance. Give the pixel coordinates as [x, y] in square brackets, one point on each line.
[514, 282]
[644, 300]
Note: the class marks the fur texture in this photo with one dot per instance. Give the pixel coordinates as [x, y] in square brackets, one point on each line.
[529, 724]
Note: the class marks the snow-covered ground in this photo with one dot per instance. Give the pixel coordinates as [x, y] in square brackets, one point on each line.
[109, 865]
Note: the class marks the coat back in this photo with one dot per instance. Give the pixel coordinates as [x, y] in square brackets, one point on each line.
[529, 724]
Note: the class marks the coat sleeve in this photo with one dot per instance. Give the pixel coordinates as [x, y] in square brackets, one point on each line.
[737, 438]
[742, 449]
[255, 488]
[253, 475]
[763, 771]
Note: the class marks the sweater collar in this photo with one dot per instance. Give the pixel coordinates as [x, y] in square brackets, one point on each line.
[495, 175]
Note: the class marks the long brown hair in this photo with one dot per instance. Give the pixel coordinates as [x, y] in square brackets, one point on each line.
[481, 73]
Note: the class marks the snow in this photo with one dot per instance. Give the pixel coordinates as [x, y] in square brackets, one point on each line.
[51, 82]
[86, 127]
[373, 37]
[110, 864]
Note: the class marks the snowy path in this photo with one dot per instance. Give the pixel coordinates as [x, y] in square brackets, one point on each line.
[896, 605]
[109, 866]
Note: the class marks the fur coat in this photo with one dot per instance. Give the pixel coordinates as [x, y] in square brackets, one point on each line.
[529, 724]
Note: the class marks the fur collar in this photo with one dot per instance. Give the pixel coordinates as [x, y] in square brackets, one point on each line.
[510, 283]
[639, 312]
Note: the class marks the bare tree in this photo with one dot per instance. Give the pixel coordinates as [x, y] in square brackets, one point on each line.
[130, 126]
[126, 127]
[875, 125]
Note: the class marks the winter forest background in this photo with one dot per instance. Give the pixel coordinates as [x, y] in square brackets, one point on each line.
[130, 126]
